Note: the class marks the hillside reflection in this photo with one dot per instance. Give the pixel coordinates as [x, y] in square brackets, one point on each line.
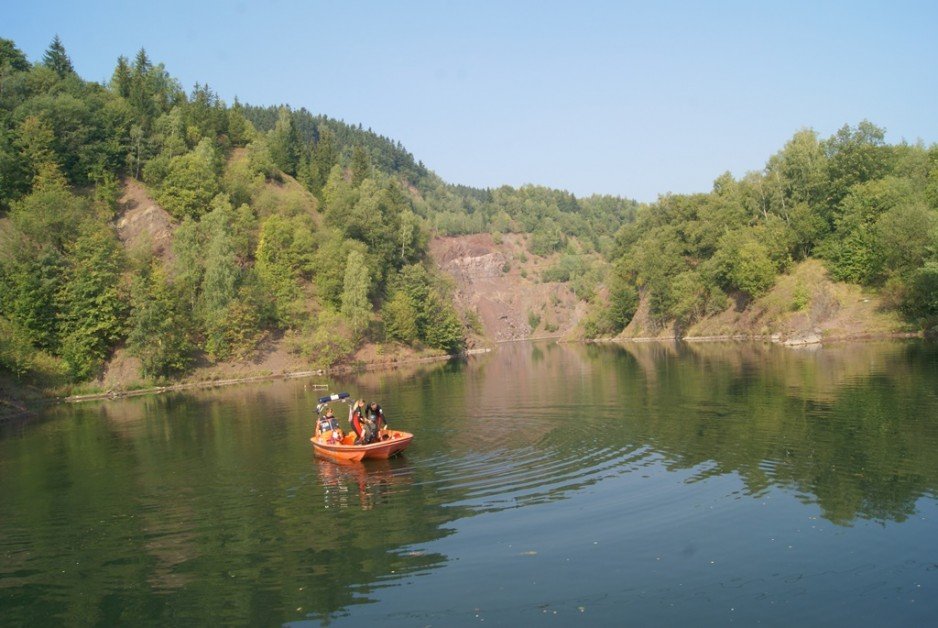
[200, 508]
[210, 507]
[853, 427]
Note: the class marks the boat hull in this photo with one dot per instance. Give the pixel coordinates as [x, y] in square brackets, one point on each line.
[345, 450]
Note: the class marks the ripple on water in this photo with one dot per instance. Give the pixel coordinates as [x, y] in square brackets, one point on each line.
[534, 473]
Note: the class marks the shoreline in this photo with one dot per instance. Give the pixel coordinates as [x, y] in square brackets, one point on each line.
[19, 408]
[156, 390]
[798, 341]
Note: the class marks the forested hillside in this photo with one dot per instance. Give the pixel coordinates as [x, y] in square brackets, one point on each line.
[326, 265]
[869, 210]
[286, 225]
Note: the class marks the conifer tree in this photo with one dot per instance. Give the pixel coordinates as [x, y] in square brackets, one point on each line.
[355, 305]
[56, 58]
[361, 165]
[284, 143]
[323, 158]
[121, 79]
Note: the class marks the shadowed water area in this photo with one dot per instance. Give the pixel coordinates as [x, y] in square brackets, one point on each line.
[548, 483]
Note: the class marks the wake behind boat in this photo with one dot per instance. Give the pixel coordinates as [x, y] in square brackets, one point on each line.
[376, 440]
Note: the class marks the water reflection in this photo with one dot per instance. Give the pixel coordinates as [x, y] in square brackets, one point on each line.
[850, 427]
[211, 507]
[363, 484]
[194, 508]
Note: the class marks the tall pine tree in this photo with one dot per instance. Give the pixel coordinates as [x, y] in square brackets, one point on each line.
[56, 58]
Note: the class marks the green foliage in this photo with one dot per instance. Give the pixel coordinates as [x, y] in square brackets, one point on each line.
[56, 59]
[329, 264]
[284, 144]
[220, 282]
[360, 166]
[552, 215]
[16, 350]
[807, 227]
[855, 250]
[289, 202]
[566, 268]
[800, 298]
[242, 181]
[867, 207]
[240, 130]
[855, 155]
[191, 182]
[275, 270]
[106, 192]
[534, 319]
[741, 262]
[160, 325]
[863, 206]
[623, 300]
[400, 318]
[36, 292]
[799, 171]
[328, 141]
[355, 306]
[326, 342]
[12, 58]
[474, 322]
[30, 280]
[378, 214]
[13, 178]
[235, 331]
[443, 330]
[223, 271]
[921, 301]
[906, 236]
[546, 239]
[205, 116]
[188, 270]
[419, 311]
[51, 214]
[91, 304]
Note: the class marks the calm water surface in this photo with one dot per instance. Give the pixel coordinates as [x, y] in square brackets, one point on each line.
[548, 484]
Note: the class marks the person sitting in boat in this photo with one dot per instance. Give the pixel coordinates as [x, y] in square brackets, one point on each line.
[328, 425]
[376, 415]
[365, 428]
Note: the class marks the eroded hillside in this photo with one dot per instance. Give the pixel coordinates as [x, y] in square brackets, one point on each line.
[500, 283]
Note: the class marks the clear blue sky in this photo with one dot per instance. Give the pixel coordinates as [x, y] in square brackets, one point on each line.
[628, 98]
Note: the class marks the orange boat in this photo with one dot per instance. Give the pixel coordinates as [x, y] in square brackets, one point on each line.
[391, 442]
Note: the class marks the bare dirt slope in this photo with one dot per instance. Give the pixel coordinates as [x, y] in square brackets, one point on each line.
[500, 283]
[142, 222]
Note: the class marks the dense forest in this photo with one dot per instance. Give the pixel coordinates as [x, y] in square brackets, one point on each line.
[303, 227]
[335, 260]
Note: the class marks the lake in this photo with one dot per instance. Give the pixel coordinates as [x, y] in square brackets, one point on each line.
[556, 484]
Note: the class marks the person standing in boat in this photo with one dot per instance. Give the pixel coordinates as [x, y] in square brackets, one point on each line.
[364, 427]
[376, 415]
[328, 425]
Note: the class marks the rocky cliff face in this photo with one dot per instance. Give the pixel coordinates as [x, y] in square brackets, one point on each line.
[500, 283]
